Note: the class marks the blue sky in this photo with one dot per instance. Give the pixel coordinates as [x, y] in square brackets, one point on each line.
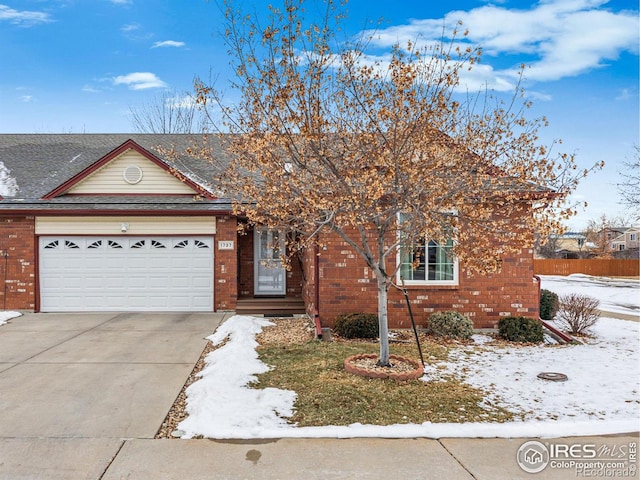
[72, 66]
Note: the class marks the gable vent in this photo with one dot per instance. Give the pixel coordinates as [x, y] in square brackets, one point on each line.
[132, 174]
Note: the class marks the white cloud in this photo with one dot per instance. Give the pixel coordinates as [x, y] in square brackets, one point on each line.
[625, 94]
[23, 18]
[90, 89]
[129, 27]
[122, 2]
[168, 43]
[565, 37]
[181, 101]
[481, 77]
[26, 98]
[139, 81]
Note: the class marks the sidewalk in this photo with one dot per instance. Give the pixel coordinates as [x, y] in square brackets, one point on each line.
[309, 459]
[621, 316]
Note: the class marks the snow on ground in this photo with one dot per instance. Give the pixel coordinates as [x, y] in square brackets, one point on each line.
[601, 395]
[6, 316]
[615, 295]
[603, 376]
[220, 404]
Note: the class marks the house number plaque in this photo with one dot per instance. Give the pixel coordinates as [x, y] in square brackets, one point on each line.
[225, 244]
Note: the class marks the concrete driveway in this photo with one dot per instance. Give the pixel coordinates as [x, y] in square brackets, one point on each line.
[100, 377]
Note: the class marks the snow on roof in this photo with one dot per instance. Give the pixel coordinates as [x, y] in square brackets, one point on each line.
[8, 184]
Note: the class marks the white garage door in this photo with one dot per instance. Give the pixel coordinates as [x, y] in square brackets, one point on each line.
[126, 274]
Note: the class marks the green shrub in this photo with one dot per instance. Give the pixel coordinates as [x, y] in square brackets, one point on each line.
[450, 324]
[520, 329]
[357, 325]
[549, 304]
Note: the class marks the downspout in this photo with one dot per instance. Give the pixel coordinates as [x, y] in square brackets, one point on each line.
[316, 287]
[4, 280]
[560, 335]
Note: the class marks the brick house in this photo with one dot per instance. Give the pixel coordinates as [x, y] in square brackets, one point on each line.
[114, 222]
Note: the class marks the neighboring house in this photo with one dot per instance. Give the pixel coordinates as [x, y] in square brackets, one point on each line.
[605, 237]
[627, 240]
[112, 222]
[572, 245]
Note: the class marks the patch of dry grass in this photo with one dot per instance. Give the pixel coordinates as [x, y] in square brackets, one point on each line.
[328, 395]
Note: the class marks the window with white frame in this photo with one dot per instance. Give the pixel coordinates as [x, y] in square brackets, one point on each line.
[429, 262]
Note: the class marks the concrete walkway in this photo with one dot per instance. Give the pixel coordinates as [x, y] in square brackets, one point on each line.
[83, 395]
[620, 316]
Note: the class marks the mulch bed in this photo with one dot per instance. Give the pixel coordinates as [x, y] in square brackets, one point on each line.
[401, 369]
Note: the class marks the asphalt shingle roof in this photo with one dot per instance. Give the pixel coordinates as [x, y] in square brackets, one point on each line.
[39, 163]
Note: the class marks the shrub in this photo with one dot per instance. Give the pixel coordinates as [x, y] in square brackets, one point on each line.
[450, 324]
[520, 329]
[577, 312]
[548, 304]
[357, 325]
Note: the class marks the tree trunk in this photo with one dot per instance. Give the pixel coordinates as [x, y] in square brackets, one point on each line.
[383, 321]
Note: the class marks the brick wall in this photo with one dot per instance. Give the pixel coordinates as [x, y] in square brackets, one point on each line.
[226, 265]
[295, 276]
[17, 271]
[348, 285]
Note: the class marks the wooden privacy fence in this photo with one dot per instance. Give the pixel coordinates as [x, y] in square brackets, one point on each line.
[595, 267]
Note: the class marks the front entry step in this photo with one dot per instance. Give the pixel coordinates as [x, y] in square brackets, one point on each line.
[270, 306]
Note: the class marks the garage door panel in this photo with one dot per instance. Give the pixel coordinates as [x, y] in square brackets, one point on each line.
[202, 282]
[120, 274]
[111, 282]
[180, 302]
[93, 282]
[199, 269]
[137, 263]
[180, 282]
[200, 301]
[158, 282]
[92, 301]
[93, 263]
[136, 282]
[71, 282]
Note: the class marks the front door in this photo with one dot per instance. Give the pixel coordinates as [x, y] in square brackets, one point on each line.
[269, 274]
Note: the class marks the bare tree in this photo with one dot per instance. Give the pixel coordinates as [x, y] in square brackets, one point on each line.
[547, 247]
[169, 112]
[381, 152]
[629, 188]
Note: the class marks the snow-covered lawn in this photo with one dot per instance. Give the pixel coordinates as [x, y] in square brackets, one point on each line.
[615, 295]
[601, 396]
